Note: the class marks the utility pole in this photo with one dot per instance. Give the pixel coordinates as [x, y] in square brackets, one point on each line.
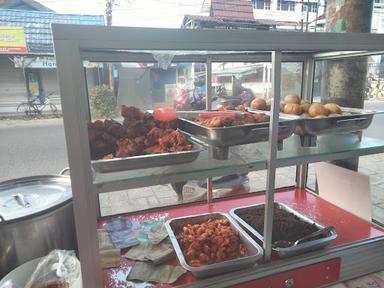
[108, 15]
[307, 20]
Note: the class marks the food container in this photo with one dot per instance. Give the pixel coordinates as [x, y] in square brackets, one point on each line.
[36, 216]
[293, 250]
[254, 251]
[310, 128]
[223, 137]
[148, 161]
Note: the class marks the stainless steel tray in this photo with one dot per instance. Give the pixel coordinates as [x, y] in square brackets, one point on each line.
[148, 161]
[358, 120]
[254, 251]
[294, 250]
[235, 135]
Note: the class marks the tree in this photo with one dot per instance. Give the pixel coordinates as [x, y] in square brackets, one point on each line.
[346, 79]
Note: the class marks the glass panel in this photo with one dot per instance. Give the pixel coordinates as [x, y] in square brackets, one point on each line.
[244, 158]
[241, 82]
[146, 86]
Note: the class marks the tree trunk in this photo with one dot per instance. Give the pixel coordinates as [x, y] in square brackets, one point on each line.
[346, 79]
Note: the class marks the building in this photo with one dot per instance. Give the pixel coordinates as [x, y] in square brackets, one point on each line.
[27, 63]
[290, 14]
[229, 14]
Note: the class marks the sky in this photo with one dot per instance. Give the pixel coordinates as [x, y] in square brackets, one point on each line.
[137, 13]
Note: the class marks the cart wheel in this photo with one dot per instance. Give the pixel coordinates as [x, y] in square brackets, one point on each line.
[23, 108]
[54, 110]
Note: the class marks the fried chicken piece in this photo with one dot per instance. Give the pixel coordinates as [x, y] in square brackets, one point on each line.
[174, 141]
[215, 121]
[153, 136]
[128, 147]
[131, 113]
[114, 128]
[155, 149]
[210, 242]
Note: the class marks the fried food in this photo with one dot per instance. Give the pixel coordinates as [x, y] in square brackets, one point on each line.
[246, 118]
[210, 242]
[333, 108]
[231, 107]
[317, 109]
[295, 99]
[139, 134]
[259, 104]
[292, 108]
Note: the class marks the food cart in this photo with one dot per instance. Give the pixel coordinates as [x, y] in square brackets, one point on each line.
[358, 248]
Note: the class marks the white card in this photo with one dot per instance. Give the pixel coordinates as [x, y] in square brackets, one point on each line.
[346, 189]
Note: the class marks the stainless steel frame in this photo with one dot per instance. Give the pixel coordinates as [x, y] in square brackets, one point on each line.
[73, 44]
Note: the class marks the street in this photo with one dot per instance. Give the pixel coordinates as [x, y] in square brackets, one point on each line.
[31, 147]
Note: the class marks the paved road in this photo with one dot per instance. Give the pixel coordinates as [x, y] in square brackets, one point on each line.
[32, 147]
[376, 128]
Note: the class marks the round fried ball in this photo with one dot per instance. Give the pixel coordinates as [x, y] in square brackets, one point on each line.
[292, 99]
[316, 109]
[334, 115]
[292, 108]
[259, 104]
[305, 107]
[333, 108]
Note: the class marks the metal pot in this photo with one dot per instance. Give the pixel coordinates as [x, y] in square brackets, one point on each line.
[36, 216]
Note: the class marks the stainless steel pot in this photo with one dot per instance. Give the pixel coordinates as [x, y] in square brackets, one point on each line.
[36, 216]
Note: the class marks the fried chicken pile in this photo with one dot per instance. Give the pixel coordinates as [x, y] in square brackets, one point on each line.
[246, 118]
[210, 242]
[231, 106]
[139, 134]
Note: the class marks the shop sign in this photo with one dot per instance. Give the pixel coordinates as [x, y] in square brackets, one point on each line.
[42, 62]
[12, 40]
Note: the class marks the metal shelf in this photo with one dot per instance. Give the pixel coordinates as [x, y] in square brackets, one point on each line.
[242, 159]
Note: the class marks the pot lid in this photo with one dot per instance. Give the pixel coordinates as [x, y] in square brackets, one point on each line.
[31, 195]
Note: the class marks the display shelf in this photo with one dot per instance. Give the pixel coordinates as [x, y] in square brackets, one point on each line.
[73, 44]
[305, 202]
[242, 159]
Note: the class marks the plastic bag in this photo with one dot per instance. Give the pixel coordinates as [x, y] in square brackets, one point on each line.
[9, 284]
[59, 269]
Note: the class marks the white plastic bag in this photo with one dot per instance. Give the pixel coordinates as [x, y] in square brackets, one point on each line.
[59, 269]
[9, 284]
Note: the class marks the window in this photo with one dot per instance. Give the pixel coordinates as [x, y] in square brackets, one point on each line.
[310, 7]
[262, 4]
[285, 5]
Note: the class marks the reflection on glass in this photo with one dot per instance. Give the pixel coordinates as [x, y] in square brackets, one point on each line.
[240, 83]
[147, 86]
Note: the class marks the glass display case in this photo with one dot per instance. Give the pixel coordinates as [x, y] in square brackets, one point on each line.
[156, 66]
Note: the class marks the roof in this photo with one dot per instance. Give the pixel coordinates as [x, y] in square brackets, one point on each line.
[223, 20]
[24, 5]
[37, 26]
[232, 9]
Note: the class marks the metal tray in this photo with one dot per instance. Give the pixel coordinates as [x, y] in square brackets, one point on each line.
[254, 251]
[294, 250]
[148, 161]
[234, 135]
[357, 121]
